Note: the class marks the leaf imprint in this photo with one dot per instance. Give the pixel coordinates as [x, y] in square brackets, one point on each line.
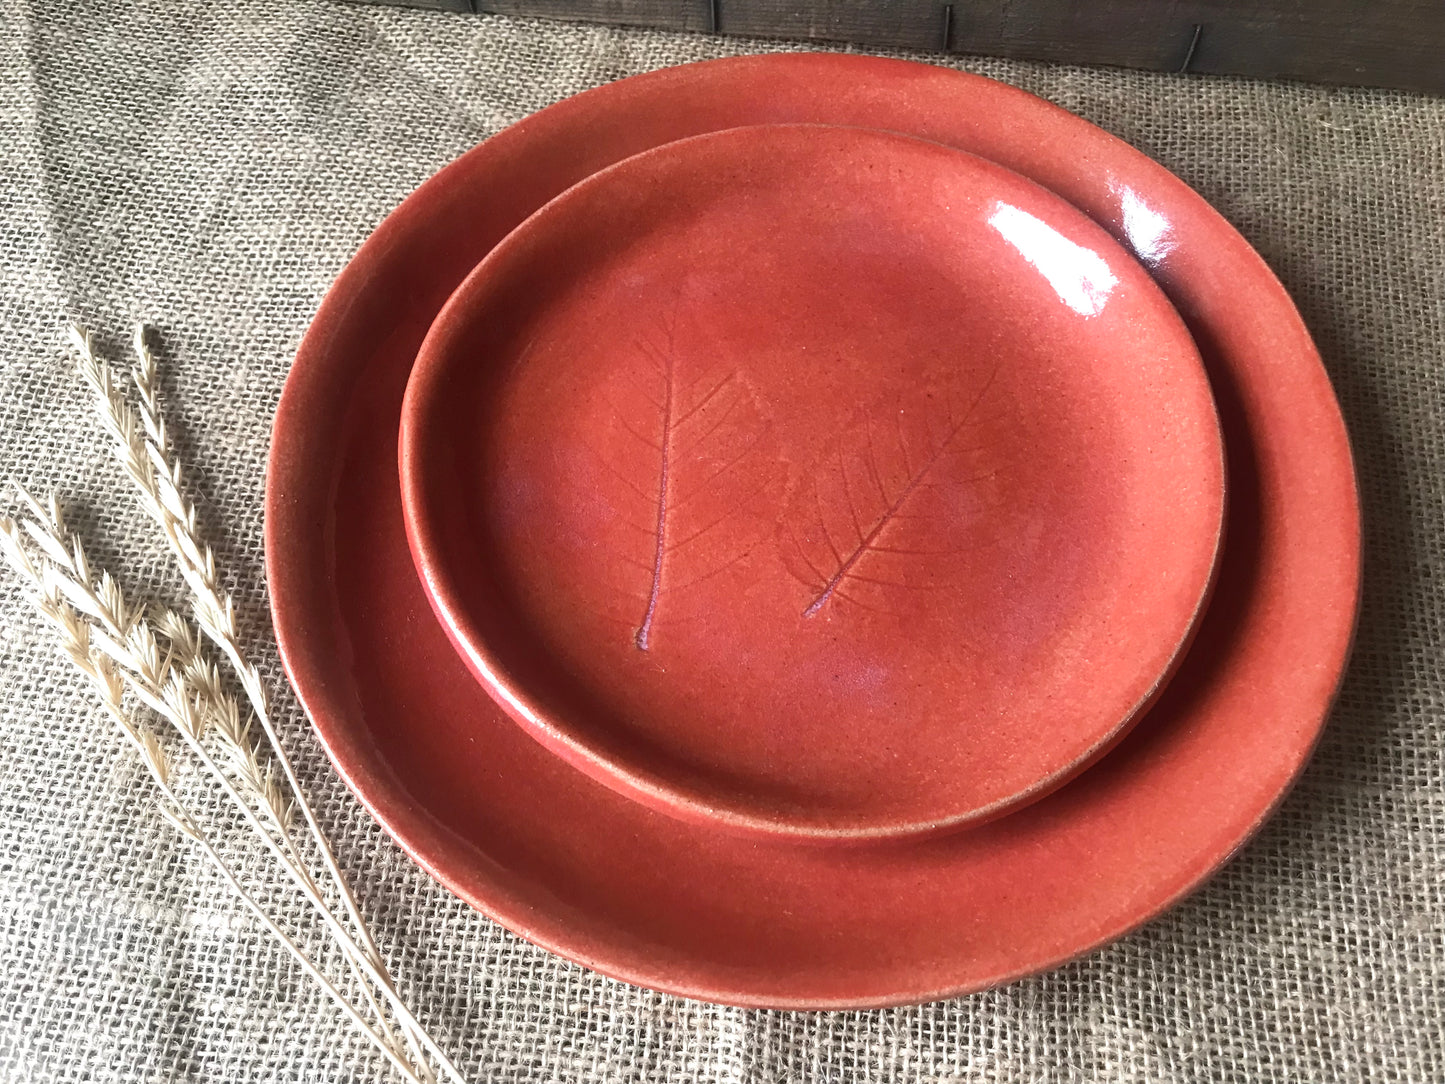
[644, 630]
[696, 459]
[887, 484]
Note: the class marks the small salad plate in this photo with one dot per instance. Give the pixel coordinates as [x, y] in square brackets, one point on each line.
[815, 481]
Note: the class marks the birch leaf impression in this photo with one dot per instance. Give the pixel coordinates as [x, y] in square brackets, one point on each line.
[697, 454]
[886, 506]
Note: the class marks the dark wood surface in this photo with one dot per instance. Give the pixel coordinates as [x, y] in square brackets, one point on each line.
[1386, 43]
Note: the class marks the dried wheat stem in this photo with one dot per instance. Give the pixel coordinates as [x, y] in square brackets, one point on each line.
[215, 612]
[203, 678]
[143, 448]
[176, 710]
[75, 640]
[388, 1049]
[127, 642]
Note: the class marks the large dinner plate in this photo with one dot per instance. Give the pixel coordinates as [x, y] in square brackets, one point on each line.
[601, 879]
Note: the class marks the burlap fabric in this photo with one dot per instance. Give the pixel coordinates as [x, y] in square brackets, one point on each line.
[212, 168]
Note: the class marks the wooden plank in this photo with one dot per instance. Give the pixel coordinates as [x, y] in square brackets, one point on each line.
[1393, 43]
[661, 14]
[1386, 43]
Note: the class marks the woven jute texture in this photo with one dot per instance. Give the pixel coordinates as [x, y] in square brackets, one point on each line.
[212, 167]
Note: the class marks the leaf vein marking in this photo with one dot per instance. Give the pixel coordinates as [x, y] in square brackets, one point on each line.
[644, 630]
[891, 512]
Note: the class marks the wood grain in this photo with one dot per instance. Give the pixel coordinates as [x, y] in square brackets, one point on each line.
[1385, 43]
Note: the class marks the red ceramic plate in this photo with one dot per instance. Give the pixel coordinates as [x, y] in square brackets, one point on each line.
[814, 481]
[573, 866]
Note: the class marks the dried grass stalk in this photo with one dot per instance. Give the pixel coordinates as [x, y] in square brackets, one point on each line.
[159, 667]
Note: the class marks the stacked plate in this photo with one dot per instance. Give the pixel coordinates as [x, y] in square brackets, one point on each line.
[759, 529]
